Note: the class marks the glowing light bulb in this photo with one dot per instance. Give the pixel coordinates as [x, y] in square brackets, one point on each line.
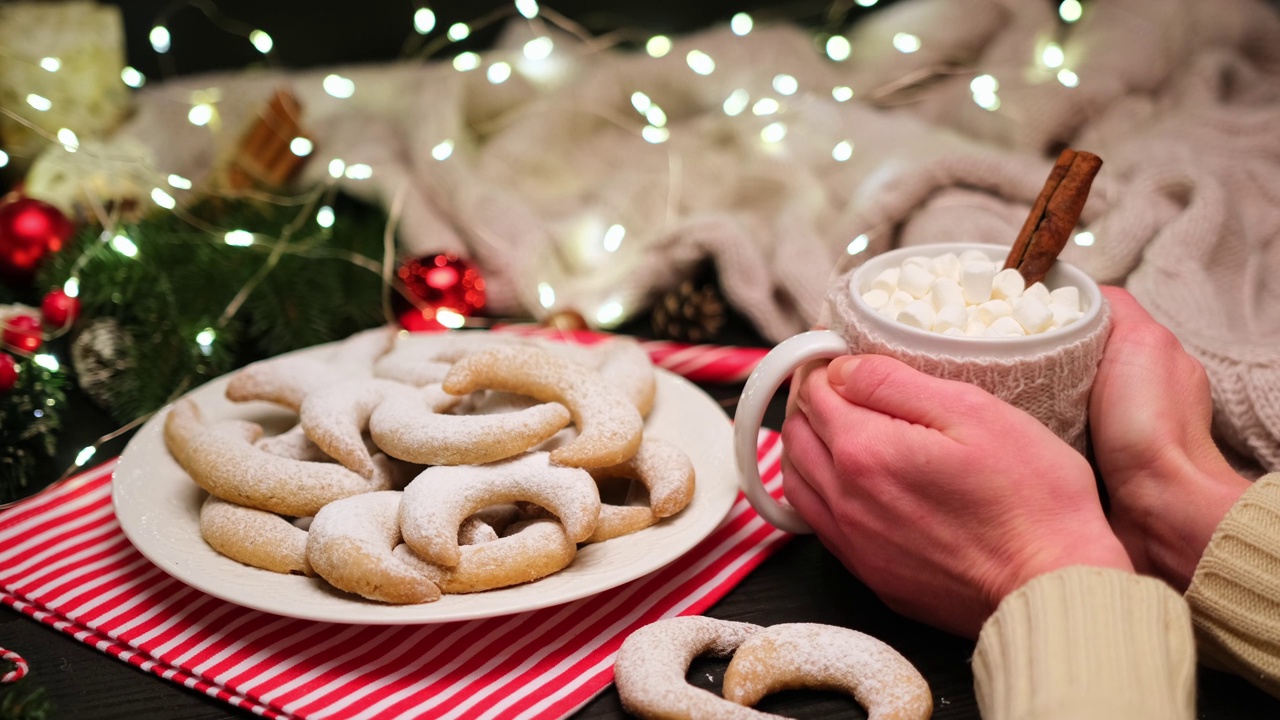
[546, 295]
[46, 361]
[527, 8]
[466, 61]
[1068, 78]
[200, 114]
[450, 318]
[124, 246]
[866, 3]
[359, 171]
[498, 73]
[4, 158]
[1070, 10]
[458, 32]
[842, 152]
[424, 20]
[842, 93]
[609, 312]
[655, 116]
[658, 46]
[858, 244]
[906, 43]
[838, 48]
[655, 135]
[443, 150]
[163, 199]
[640, 102]
[1084, 239]
[700, 62]
[131, 77]
[773, 132]
[539, 48]
[159, 38]
[238, 238]
[205, 339]
[1052, 56]
[337, 168]
[68, 139]
[613, 238]
[71, 287]
[741, 24]
[339, 87]
[301, 146]
[736, 102]
[261, 41]
[83, 456]
[984, 84]
[785, 84]
[765, 106]
[987, 100]
[52, 64]
[39, 102]
[324, 216]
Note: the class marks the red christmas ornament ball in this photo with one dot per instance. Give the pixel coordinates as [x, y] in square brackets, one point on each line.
[22, 333]
[439, 282]
[58, 309]
[8, 372]
[29, 230]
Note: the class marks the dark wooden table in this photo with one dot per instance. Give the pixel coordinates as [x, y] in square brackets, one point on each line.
[801, 583]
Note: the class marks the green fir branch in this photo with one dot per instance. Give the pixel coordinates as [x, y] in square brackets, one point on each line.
[30, 420]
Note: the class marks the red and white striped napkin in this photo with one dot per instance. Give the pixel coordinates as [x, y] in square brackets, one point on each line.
[65, 562]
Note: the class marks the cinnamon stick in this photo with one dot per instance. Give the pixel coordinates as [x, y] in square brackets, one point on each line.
[1054, 215]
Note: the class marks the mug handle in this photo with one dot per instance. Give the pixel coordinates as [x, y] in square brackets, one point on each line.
[768, 376]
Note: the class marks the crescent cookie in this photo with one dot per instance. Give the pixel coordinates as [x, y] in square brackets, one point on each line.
[609, 425]
[411, 426]
[627, 367]
[293, 444]
[254, 537]
[336, 417]
[441, 497]
[287, 380]
[533, 549]
[825, 657]
[350, 544]
[222, 459]
[651, 668]
[665, 471]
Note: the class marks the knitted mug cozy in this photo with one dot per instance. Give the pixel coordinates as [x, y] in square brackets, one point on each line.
[1052, 386]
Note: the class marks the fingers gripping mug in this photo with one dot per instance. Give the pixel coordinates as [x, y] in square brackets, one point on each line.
[1048, 375]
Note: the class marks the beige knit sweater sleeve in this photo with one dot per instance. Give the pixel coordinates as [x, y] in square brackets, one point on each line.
[1087, 642]
[1235, 592]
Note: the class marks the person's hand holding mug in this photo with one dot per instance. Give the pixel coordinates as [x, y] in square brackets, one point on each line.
[1150, 412]
[940, 497]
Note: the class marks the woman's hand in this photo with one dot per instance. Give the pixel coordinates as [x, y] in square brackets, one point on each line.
[939, 496]
[1149, 417]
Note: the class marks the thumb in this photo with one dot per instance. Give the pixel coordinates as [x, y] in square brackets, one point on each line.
[891, 387]
[1125, 308]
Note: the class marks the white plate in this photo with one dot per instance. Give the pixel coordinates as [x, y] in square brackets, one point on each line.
[158, 508]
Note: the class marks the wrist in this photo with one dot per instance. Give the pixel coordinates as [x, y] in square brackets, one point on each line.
[1085, 541]
[1193, 501]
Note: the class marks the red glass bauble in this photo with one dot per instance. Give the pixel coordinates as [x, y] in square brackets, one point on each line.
[22, 333]
[8, 372]
[439, 282]
[29, 230]
[58, 309]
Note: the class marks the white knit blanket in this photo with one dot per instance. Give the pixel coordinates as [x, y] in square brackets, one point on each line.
[1181, 98]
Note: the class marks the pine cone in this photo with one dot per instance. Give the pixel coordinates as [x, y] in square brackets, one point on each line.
[99, 353]
[694, 312]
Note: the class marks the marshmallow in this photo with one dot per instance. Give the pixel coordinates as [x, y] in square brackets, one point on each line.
[1066, 297]
[918, 314]
[1038, 291]
[974, 328]
[1063, 315]
[1007, 285]
[887, 280]
[923, 261]
[944, 291]
[969, 256]
[915, 279]
[953, 331]
[876, 298]
[949, 317]
[1005, 327]
[975, 281]
[947, 265]
[991, 310]
[897, 301]
[1033, 315]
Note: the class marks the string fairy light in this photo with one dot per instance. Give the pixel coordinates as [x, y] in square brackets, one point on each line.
[785, 84]
[700, 62]
[842, 93]
[539, 48]
[741, 24]
[160, 40]
[50, 64]
[261, 41]
[736, 102]
[765, 106]
[858, 244]
[4, 158]
[906, 43]
[842, 151]
[546, 295]
[442, 150]
[1052, 55]
[1084, 238]
[130, 76]
[498, 73]
[39, 102]
[466, 61]
[658, 46]
[1068, 78]
[527, 8]
[1070, 10]
[838, 48]
[338, 86]
[458, 32]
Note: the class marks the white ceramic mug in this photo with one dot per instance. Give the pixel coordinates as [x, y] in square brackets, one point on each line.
[1082, 336]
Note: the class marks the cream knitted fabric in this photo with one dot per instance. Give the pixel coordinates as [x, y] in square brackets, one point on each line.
[1086, 642]
[1235, 592]
[1053, 387]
